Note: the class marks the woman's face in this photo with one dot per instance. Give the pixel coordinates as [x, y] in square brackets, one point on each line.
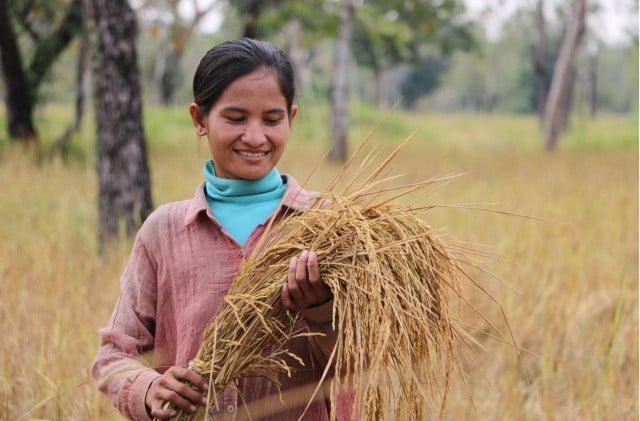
[247, 127]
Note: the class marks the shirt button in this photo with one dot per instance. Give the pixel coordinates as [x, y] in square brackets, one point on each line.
[241, 253]
[231, 408]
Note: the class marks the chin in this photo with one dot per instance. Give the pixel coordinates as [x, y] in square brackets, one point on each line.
[253, 175]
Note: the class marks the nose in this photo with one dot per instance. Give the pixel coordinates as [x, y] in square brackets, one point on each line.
[254, 134]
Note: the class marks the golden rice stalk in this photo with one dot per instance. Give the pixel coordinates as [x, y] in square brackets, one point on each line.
[392, 278]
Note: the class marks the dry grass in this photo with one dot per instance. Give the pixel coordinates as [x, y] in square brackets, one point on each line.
[570, 291]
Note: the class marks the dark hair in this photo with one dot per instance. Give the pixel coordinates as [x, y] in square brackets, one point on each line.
[226, 62]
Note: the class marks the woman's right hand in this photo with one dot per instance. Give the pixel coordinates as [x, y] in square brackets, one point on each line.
[172, 387]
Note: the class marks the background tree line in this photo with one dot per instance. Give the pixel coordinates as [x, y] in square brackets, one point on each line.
[429, 53]
[450, 65]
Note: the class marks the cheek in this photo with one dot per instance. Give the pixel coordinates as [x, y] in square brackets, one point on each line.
[219, 137]
[281, 134]
[217, 145]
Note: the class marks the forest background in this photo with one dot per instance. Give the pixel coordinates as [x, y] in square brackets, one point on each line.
[489, 69]
[568, 283]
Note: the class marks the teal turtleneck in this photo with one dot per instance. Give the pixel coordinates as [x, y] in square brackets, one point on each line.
[241, 205]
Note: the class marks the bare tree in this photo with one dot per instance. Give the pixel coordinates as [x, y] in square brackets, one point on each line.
[554, 115]
[123, 173]
[83, 71]
[167, 68]
[340, 86]
[591, 79]
[296, 52]
[540, 59]
[50, 37]
[18, 101]
[251, 10]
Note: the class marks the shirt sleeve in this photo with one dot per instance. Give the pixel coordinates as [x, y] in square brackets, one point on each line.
[121, 367]
[321, 345]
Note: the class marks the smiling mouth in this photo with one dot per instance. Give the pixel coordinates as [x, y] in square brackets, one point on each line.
[252, 154]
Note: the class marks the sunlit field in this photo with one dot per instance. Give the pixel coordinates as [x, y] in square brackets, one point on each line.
[559, 337]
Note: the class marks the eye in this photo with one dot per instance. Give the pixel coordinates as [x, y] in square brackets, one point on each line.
[272, 121]
[235, 118]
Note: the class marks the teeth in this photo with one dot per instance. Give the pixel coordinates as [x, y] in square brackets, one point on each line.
[252, 154]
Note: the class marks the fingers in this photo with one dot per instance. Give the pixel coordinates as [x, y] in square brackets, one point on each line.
[304, 286]
[313, 272]
[172, 387]
[295, 295]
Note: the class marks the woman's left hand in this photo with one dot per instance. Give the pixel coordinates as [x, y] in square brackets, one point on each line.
[304, 288]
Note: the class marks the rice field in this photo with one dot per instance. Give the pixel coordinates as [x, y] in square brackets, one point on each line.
[559, 340]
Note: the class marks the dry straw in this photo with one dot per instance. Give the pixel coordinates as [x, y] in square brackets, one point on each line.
[393, 279]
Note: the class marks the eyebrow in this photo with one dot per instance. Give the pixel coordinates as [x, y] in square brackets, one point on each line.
[242, 110]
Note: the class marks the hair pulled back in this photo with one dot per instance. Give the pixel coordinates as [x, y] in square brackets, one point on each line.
[226, 62]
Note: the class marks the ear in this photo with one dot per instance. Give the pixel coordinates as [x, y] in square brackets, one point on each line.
[294, 112]
[197, 119]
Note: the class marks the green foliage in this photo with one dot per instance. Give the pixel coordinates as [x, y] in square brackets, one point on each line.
[390, 32]
[481, 74]
[498, 75]
[386, 33]
[422, 80]
[45, 30]
[318, 17]
[617, 78]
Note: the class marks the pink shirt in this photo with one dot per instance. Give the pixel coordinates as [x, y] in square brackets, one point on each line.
[180, 268]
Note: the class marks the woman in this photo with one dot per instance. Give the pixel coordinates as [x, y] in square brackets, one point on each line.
[187, 254]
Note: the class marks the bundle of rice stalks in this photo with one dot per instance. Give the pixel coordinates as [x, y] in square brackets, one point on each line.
[392, 277]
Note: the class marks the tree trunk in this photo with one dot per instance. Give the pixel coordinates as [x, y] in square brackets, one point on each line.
[250, 14]
[297, 53]
[592, 85]
[48, 50]
[18, 100]
[566, 102]
[123, 173]
[167, 69]
[540, 60]
[379, 92]
[340, 86]
[553, 116]
[83, 70]
[22, 85]
[167, 76]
